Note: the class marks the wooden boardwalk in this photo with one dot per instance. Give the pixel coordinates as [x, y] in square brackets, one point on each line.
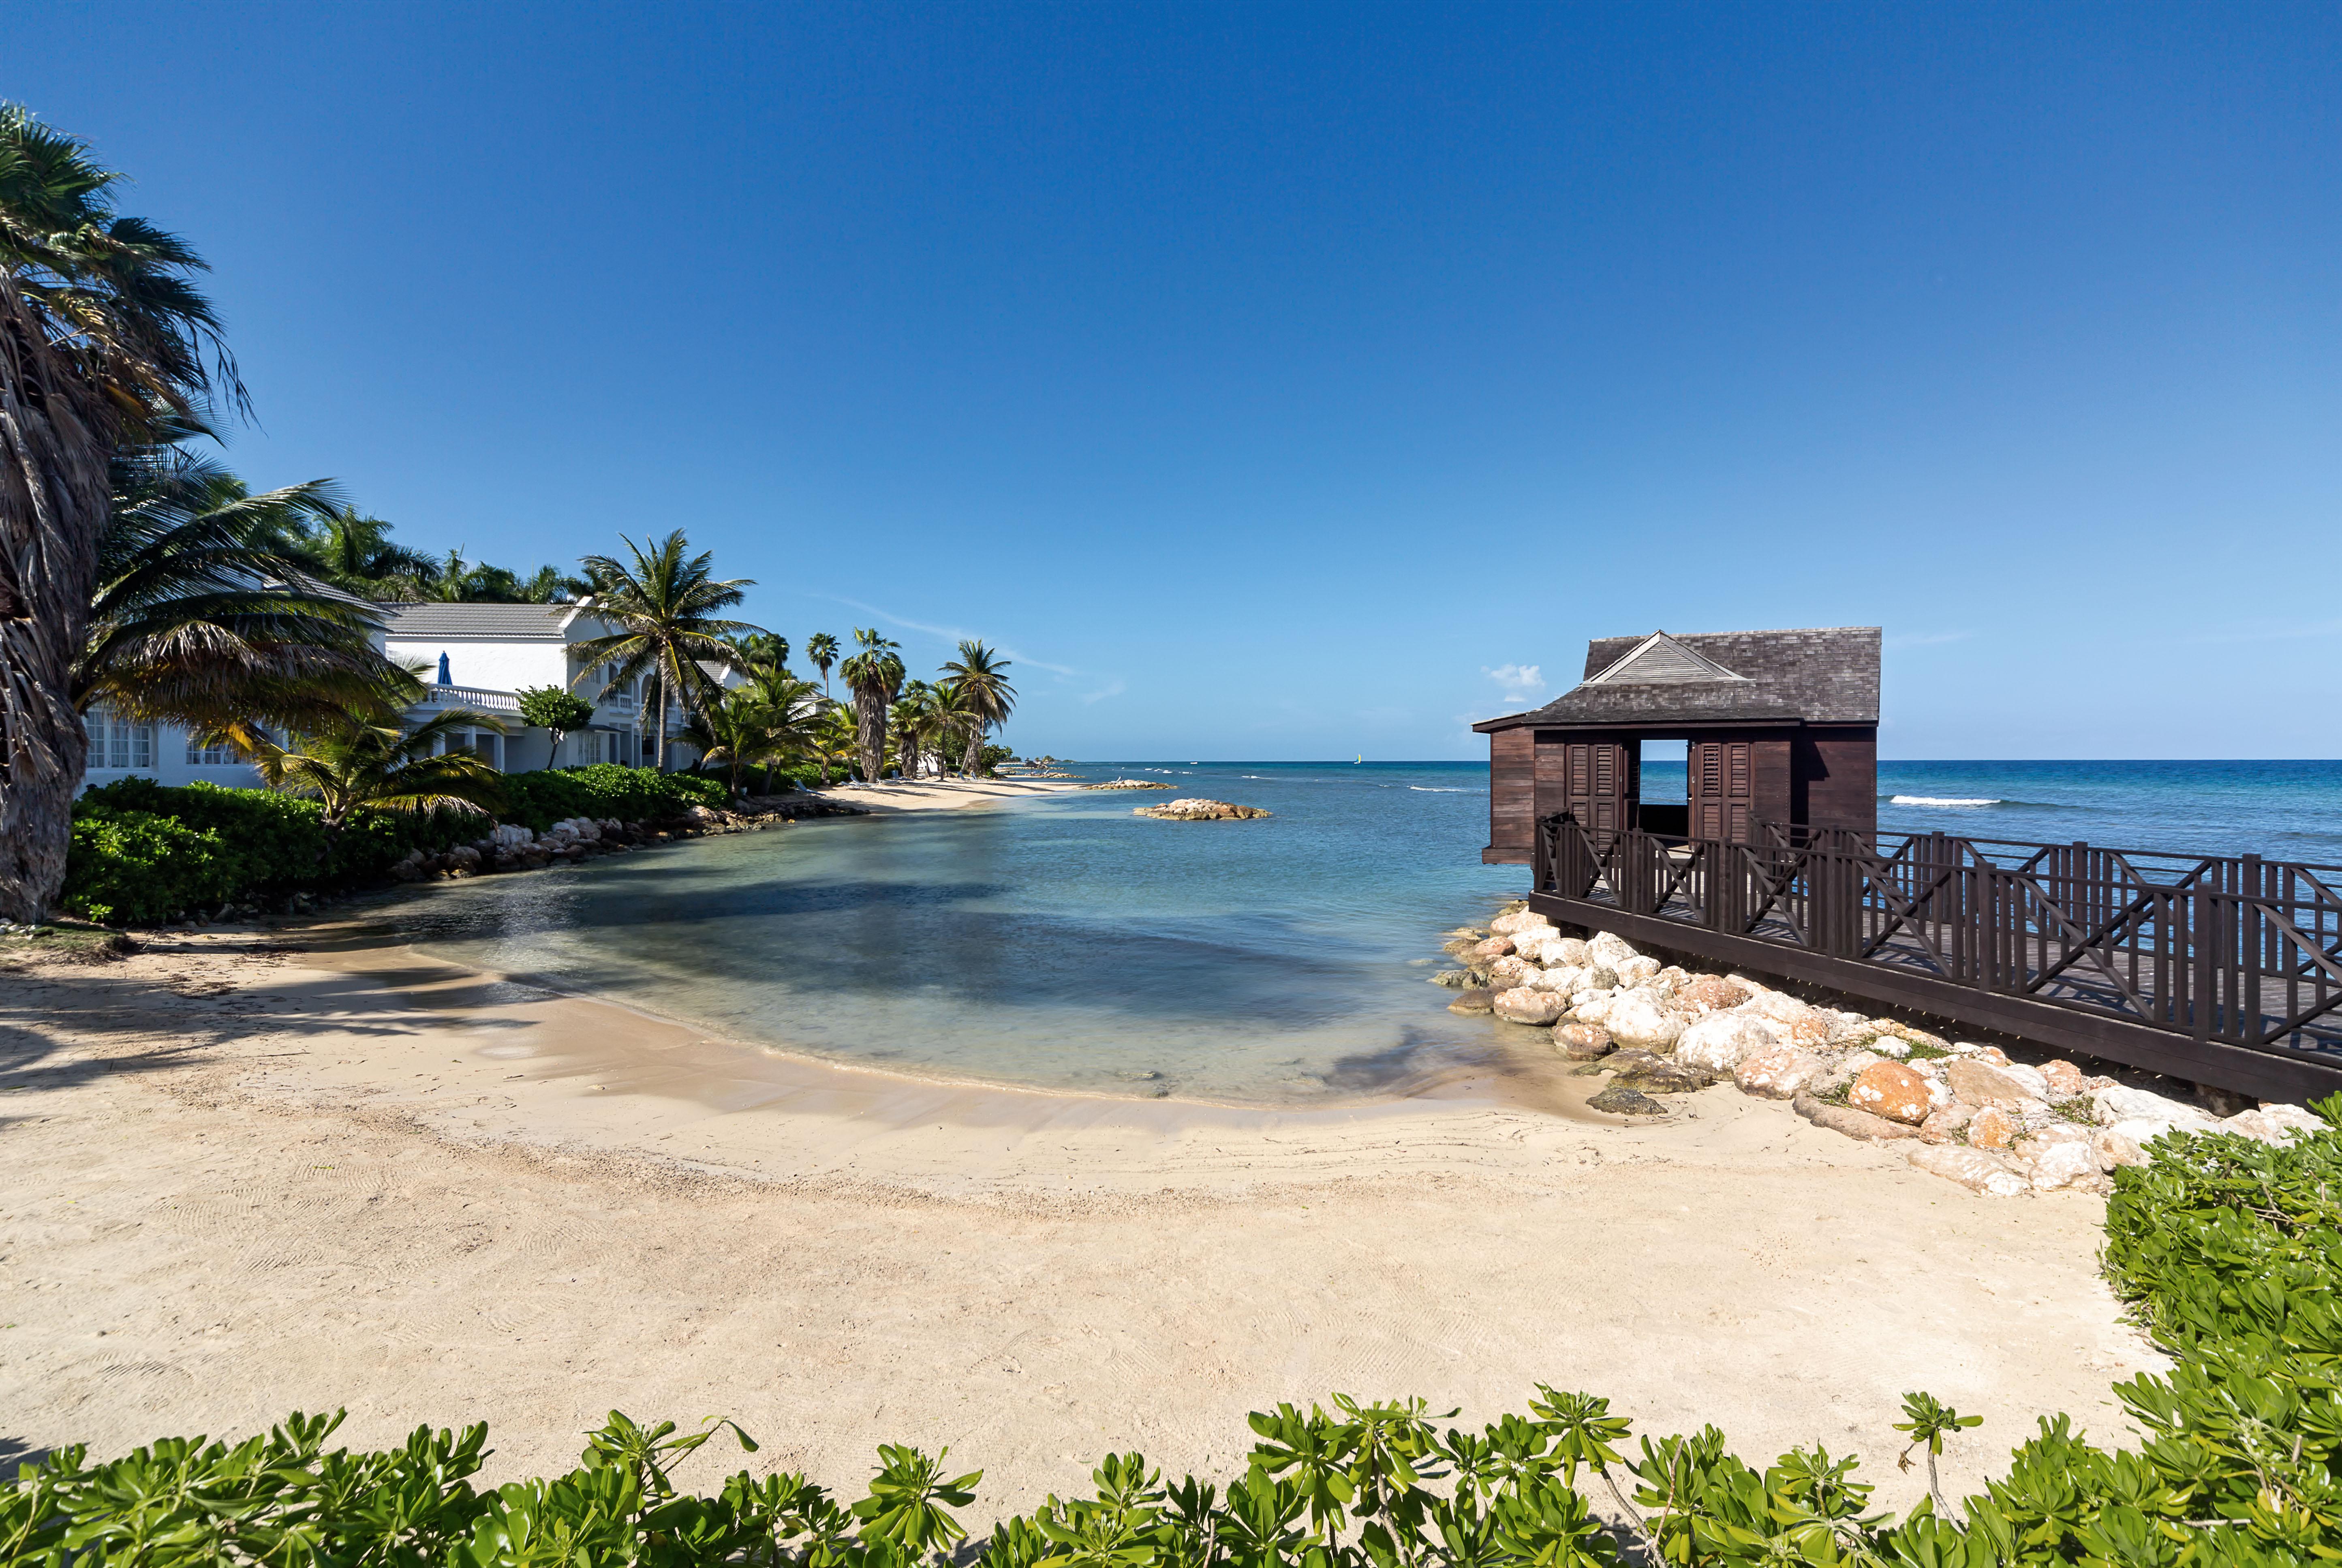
[2225, 971]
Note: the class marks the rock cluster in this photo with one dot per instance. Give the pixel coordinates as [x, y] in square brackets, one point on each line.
[1966, 1112]
[511, 846]
[1194, 809]
[1132, 784]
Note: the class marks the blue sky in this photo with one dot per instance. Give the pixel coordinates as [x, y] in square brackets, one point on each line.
[1295, 382]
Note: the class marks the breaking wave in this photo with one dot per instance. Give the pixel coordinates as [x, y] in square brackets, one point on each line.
[1938, 800]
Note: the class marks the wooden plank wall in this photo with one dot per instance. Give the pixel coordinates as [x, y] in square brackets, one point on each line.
[1512, 798]
[1837, 771]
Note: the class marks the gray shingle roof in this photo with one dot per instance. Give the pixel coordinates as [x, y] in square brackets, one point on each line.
[1823, 676]
[461, 621]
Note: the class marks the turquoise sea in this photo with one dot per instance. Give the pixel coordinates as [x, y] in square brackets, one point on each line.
[1063, 942]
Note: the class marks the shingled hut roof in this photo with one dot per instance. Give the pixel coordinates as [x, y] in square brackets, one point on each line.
[1818, 675]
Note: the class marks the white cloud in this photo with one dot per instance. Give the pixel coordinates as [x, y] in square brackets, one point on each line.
[1519, 682]
[1111, 689]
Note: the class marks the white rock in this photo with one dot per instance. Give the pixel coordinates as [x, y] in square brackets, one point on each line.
[1891, 1045]
[1782, 1008]
[1592, 1007]
[1641, 1018]
[1719, 1041]
[1569, 979]
[1521, 1004]
[1974, 1169]
[1573, 951]
[1505, 924]
[508, 835]
[2125, 1142]
[2108, 1106]
[2063, 1164]
[1637, 971]
[1777, 1072]
[1608, 951]
[2275, 1123]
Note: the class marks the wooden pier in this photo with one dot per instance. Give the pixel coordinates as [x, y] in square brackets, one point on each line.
[2221, 970]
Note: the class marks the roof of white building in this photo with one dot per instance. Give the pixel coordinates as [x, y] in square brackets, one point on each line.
[467, 621]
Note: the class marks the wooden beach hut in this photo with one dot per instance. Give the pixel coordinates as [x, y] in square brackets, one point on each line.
[2222, 969]
[1782, 726]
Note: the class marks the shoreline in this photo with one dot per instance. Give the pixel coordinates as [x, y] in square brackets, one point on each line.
[892, 797]
[468, 1206]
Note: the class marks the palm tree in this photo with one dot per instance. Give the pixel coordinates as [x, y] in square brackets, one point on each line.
[875, 674]
[792, 712]
[366, 759]
[821, 651]
[757, 651]
[913, 720]
[102, 335]
[664, 603]
[200, 615]
[834, 737]
[981, 678]
[353, 551]
[733, 730]
[952, 720]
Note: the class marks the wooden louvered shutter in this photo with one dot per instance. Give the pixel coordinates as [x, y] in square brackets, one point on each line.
[1723, 790]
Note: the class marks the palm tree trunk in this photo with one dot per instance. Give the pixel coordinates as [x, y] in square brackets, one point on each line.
[870, 726]
[658, 731]
[55, 440]
[974, 750]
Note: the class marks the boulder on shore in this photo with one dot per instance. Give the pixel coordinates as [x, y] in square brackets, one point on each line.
[1719, 1041]
[1642, 1017]
[1522, 1005]
[1891, 1090]
[1198, 810]
[1624, 1101]
[1846, 1119]
[1473, 999]
[1582, 1042]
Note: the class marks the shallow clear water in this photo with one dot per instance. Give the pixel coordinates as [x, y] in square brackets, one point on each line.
[1063, 942]
[1058, 941]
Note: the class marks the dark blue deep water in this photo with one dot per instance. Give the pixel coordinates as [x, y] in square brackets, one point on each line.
[1063, 942]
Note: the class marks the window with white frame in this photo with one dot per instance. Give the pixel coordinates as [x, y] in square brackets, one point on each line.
[116, 742]
[219, 755]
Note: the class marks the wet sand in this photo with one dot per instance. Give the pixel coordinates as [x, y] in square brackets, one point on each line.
[892, 795]
[252, 1173]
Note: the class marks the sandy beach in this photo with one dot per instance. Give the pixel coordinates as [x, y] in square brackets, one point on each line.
[940, 794]
[251, 1173]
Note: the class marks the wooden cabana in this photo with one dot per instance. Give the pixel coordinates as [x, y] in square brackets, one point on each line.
[1782, 726]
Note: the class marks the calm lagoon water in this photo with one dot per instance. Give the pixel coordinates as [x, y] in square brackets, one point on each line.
[1063, 942]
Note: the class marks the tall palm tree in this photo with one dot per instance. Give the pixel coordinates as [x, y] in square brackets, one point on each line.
[875, 674]
[732, 729]
[952, 720]
[981, 678]
[821, 651]
[664, 602]
[201, 617]
[102, 334]
[366, 759]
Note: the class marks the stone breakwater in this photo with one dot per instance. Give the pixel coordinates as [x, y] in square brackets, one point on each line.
[1132, 784]
[1195, 810]
[1962, 1111]
[512, 846]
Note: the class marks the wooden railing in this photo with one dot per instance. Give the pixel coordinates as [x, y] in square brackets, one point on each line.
[2236, 950]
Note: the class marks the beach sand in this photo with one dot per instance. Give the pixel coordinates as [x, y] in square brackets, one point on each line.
[892, 795]
[252, 1173]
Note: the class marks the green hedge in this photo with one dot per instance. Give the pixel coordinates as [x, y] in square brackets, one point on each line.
[606, 790]
[2229, 1249]
[143, 853]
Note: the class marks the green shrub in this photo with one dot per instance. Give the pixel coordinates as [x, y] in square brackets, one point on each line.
[135, 867]
[606, 790]
[2229, 1249]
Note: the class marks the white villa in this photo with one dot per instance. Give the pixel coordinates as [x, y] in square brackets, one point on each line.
[477, 657]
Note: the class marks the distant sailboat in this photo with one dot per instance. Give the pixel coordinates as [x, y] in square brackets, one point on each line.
[1362, 757]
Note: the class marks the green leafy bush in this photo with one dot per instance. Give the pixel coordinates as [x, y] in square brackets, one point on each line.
[2229, 1249]
[606, 790]
[134, 867]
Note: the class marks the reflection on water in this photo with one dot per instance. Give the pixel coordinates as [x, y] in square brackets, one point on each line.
[1060, 943]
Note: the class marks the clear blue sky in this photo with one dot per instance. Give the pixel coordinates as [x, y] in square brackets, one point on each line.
[1264, 377]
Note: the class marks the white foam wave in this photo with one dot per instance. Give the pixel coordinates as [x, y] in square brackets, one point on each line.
[1936, 800]
[1427, 789]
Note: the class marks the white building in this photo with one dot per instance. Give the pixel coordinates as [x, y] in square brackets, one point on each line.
[477, 657]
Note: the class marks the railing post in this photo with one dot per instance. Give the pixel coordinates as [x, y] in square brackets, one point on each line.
[2200, 934]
